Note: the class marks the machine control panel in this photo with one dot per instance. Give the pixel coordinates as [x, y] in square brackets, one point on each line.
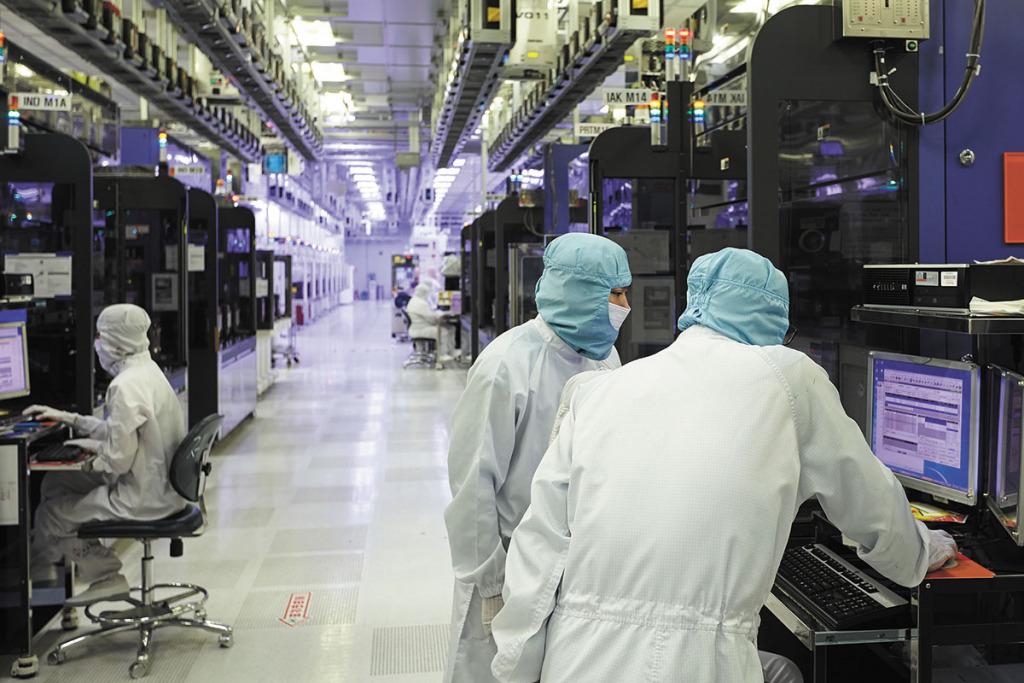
[884, 18]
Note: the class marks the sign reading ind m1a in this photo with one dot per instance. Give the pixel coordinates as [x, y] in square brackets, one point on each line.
[34, 101]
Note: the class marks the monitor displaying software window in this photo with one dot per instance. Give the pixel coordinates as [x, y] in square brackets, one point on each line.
[924, 422]
[13, 361]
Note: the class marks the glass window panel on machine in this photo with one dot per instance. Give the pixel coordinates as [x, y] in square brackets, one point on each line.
[139, 257]
[236, 393]
[518, 244]
[46, 192]
[718, 174]
[636, 193]
[832, 183]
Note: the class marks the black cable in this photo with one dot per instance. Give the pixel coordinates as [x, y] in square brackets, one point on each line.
[901, 111]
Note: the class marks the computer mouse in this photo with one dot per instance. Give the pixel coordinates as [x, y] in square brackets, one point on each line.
[950, 563]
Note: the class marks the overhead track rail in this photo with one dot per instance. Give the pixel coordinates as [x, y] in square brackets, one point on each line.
[585, 63]
[90, 45]
[215, 31]
[473, 77]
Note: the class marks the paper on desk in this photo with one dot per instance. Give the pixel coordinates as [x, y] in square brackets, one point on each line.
[997, 307]
[930, 513]
[965, 568]
[1009, 260]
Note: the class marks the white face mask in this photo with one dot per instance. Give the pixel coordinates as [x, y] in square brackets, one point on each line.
[106, 360]
[617, 315]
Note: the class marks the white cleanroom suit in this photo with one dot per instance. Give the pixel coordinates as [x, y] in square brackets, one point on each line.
[422, 316]
[660, 513]
[502, 422]
[133, 445]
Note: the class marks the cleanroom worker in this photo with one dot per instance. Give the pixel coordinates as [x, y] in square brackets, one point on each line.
[661, 511]
[423, 317]
[503, 419]
[775, 667]
[128, 478]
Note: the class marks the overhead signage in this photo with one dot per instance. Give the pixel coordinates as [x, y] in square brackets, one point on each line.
[34, 101]
[726, 98]
[195, 169]
[625, 97]
[592, 130]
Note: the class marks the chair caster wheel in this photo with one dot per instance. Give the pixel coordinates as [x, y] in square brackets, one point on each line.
[69, 619]
[56, 657]
[25, 666]
[226, 641]
[138, 669]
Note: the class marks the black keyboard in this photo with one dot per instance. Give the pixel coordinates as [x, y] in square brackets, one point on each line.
[834, 591]
[58, 452]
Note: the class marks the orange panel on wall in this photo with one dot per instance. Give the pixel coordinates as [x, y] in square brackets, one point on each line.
[1013, 195]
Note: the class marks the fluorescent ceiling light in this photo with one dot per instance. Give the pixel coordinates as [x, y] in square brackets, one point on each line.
[365, 176]
[448, 171]
[459, 163]
[329, 72]
[314, 33]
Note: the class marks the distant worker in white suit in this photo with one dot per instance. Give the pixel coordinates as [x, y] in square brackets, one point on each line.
[503, 421]
[660, 513]
[423, 317]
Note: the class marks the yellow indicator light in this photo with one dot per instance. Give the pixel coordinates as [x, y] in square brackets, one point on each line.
[628, 58]
[532, 55]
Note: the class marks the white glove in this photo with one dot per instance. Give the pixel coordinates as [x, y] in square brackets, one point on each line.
[48, 413]
[941, 547]
[489, 608]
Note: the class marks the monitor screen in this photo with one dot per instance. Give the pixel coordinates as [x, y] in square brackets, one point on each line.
[275, 163]
[238, 240]
[924, 422]
[1004, 470]
[13, 361]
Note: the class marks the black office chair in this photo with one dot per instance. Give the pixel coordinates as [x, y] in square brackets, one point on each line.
[188, 472]
[424, 349]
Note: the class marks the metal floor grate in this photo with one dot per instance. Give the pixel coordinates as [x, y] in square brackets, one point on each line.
[408, 649]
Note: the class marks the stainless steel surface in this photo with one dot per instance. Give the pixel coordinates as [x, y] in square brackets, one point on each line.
[933, 320]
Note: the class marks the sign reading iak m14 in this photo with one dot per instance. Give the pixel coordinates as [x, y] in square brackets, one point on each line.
[34, 101]
[627, 96]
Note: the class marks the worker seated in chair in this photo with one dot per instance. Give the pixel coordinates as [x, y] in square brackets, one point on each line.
[129, 477]
[423, 317]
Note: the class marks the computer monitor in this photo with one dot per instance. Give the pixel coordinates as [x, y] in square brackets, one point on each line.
[1005, 468]
[923, 422]
[13, 361]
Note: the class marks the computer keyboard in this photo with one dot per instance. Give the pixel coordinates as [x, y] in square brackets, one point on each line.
[833, 590]
[58, 453]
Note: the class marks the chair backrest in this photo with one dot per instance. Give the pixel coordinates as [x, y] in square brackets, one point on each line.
[402, 300]
[190, 464]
